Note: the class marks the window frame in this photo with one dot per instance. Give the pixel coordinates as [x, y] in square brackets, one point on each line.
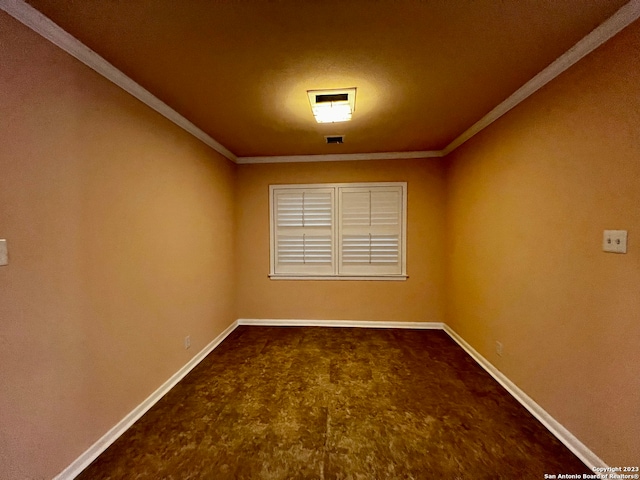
[336, 219]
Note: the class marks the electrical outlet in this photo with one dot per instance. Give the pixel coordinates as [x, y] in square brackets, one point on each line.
[614, 241]
[499, 348]
[187, 341]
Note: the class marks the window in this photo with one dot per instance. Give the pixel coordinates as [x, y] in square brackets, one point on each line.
[338, 231]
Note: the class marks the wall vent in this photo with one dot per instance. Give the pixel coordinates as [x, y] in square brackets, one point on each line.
[334, 139]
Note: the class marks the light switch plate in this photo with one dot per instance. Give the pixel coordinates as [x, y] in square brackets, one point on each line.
[614, 241]
[4, 256]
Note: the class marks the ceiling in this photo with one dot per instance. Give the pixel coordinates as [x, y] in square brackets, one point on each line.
[425, 70]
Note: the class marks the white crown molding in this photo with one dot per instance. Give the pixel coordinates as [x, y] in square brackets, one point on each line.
[83, 461]
[40, 24]
[340, 157]
[578, 448]
[610, 27]
[33, 19]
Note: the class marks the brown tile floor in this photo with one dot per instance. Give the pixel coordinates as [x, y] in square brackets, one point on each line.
[336, 403]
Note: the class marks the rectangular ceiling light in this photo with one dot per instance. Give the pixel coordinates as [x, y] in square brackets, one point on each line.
[330, 106]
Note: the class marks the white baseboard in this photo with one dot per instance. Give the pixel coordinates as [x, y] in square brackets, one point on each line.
[265, 322]
[83, 461]
[561, 433]
[578, 448]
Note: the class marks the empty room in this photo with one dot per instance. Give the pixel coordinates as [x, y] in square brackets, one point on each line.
[335, 240]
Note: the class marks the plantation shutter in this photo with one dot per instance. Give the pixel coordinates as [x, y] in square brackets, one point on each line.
[303, 231]
[370, 240]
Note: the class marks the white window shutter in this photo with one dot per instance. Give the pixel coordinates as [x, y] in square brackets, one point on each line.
[303, 231]
[371, 230]
[347, 230]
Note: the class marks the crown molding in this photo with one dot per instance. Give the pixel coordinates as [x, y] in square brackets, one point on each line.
[606, 30]
[340, 157]
[35, 20]
[40, 24]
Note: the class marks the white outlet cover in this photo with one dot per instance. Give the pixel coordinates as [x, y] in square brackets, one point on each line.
[4, 255]
[614, 241]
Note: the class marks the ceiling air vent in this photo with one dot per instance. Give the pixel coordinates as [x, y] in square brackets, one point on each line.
[332, 97]
[330, 106]
[334, 139]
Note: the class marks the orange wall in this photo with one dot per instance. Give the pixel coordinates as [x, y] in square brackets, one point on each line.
[528, 200]
[120, 234]
[126, 234]
[419, 299]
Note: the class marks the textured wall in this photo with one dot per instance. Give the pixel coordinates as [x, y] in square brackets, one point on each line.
[528, 200]
[120, 234]
[419, 299]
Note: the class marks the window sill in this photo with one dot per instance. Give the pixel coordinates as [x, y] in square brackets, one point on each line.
[340, 277]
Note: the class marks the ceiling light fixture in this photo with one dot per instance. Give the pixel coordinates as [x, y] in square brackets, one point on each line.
[331, 106]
